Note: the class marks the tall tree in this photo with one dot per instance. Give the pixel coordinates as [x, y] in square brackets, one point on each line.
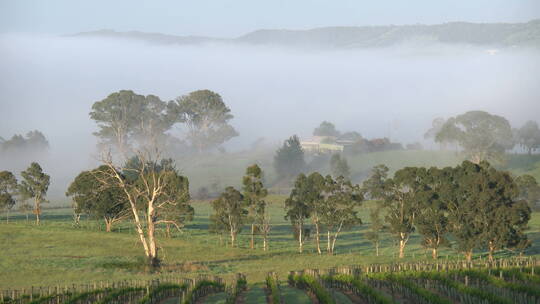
[206, 116]
[297, 210]
[326, 129]
[152, 189]
[339, 166]
[486, 213]
[338, 208]
[528, 136]
[34, 185]
[254, 194]
[98, 195]
[481, 135]
[436, 191]
[8, 190]
[231, 212]
[289, 159]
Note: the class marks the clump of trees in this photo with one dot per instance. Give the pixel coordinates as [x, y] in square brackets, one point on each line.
[479, 206]
[339, 166]
[233, 209]
[33, 142]
[528, 137]
[329, 203]
[128, 121]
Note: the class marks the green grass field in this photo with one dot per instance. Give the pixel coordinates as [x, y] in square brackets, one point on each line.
[59, 253]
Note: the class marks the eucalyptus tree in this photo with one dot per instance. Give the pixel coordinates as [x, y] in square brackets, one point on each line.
[528, 136]
[97, 194]
[297, 209]
[153, 190]
[482, 136]
[338, 211]
[206, 117]
[254, 194]
[486, 212]
[125, 118]
[34, 185]
[8, 191]
[431, 222]
[375, 229]
[230, 212]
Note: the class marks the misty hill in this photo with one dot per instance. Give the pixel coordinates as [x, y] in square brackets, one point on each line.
[481, 34]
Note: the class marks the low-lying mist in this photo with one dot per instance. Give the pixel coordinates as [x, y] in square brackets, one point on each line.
[50, 84]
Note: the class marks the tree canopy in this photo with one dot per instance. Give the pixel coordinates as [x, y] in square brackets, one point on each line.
[528, 136]
[34, 185]
[482, 136]
[326, 129]
[95, 193]
[8, 190]
[206, 116]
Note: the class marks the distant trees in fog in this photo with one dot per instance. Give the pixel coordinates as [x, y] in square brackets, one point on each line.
[128, 121]
[289, 159]
[528, 136]
[31, 145]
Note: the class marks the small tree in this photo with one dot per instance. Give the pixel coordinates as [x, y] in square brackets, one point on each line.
[8, 189]
[34, 185]
[297, 209]
[376, 227]
[230, 212]
[254, 194]
[339, 166]
[289, 159]
[338, 208]
[528, 136]
[96, 194]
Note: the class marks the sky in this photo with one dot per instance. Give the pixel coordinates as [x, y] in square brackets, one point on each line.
[231, 18]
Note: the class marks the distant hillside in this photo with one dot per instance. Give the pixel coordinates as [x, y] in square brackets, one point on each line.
[481, 34]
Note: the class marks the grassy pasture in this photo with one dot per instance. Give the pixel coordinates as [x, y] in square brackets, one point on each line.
[58, 253]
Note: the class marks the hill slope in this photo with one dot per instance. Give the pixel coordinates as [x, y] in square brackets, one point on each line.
[480, 34]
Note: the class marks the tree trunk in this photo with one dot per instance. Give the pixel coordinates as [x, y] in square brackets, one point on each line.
[27, 217]
[108, 225]
[468, 255]
[402, 248]
[491, 248]
[318, 238]
[168, 230]
[377, 248]
[300, 240]
[37, 218]
[434, 254]
[233, 238]
[265, 241]
[402, 243]
[7, 216]
[328, 250]
[252, 243]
